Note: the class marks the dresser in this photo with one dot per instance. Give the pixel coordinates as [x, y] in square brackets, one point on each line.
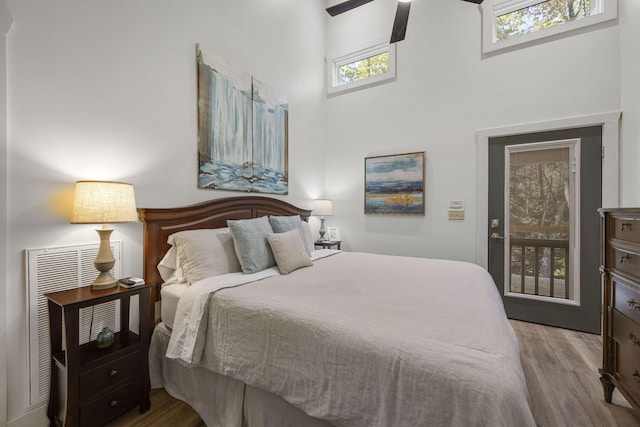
[91, 386]
[620, 269]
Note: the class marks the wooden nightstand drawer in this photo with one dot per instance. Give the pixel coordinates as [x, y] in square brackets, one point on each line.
[625, 262]
[626, 333]
[110, 405]
[106, 376]
[627, 300]
[627, 229]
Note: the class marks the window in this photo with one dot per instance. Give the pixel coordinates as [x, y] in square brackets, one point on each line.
[538, 16]
[513, 22]
[363, 68]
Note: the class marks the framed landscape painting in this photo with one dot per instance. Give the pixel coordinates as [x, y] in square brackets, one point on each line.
[394, 184]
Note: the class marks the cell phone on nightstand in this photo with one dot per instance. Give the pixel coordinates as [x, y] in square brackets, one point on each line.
[129, 282]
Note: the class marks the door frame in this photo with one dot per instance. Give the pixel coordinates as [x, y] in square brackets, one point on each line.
[610, 123]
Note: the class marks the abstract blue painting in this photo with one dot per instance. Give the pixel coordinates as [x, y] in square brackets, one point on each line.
[242, 130]
[394, 184]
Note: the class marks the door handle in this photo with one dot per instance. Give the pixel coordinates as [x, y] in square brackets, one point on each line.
[496, 236]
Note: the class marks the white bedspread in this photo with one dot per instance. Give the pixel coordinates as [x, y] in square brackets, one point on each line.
[364, 340]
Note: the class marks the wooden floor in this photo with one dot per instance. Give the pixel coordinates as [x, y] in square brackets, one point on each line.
[561, 367]
[165, 412]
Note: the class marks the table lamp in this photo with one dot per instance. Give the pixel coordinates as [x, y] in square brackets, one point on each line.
[103, 202]
[322, 208]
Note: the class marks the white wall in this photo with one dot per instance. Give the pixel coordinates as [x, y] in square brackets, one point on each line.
[5, 24]
[107, 90]
[445, 92]
[630, 94]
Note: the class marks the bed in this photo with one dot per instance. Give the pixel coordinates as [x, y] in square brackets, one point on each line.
[342, 339]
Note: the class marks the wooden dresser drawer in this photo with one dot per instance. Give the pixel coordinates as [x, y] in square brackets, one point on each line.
[625, 261]
[107, 407]
[620, 270]
[628, 370]
[108, 375]
[627, 229]
[627, 300]
[626, 333]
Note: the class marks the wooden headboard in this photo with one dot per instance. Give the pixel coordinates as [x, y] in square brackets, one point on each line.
[159, 223]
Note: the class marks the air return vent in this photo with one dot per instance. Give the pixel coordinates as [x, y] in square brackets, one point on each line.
[59, 269]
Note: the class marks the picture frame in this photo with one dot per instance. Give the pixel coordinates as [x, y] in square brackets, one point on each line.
[243, 130]
[333, 234]
[395, 184]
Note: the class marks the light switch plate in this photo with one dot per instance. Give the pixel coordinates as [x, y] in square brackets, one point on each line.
[456, 214]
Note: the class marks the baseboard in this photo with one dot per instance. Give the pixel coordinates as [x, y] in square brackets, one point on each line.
[36, 417]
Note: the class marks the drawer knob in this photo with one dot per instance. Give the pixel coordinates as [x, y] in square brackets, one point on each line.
[633, 304]
[113, 373]
[114, 402]
[625, 258]
[633, 340]
[625, 226]
[636, 376]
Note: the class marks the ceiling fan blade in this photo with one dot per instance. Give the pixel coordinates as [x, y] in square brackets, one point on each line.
[400, 23]
[475, 1]
[345, 6]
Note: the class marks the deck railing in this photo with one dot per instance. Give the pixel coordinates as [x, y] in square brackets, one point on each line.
[540, 255]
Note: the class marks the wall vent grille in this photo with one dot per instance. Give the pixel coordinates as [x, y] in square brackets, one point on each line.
[59, 269]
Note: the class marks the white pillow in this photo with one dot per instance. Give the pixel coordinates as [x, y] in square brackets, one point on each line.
[289, 251]
[169, 268]
[205, 253]
[250, 243]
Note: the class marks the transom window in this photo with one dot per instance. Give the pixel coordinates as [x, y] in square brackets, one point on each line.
[512, 22]
[539, 16]
[362, 68]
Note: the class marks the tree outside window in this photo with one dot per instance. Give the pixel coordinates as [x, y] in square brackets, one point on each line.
[363, 68]
[540, 16]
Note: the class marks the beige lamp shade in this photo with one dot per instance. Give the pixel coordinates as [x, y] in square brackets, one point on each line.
[322, 207]
[102, 202]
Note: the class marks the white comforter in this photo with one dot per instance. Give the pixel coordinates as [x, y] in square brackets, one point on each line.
[364, 340]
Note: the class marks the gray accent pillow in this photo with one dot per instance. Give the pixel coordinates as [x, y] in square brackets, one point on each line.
[250, 243]
[289, 251]
[280, 224]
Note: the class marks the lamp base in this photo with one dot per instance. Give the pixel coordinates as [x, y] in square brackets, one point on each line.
[104, 281]
[104, 261]
[322, 231]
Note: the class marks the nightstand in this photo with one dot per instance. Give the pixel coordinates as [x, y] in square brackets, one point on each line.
[328, 244]
[91, 386]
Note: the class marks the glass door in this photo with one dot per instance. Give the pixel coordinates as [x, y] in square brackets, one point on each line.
[544, 192]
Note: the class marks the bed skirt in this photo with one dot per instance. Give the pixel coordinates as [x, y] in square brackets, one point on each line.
[220, 401]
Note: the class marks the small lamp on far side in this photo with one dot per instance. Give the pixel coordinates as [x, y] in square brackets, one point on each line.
[322, 208]
[104, 202]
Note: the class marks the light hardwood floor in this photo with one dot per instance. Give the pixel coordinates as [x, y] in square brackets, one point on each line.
[561, 367]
